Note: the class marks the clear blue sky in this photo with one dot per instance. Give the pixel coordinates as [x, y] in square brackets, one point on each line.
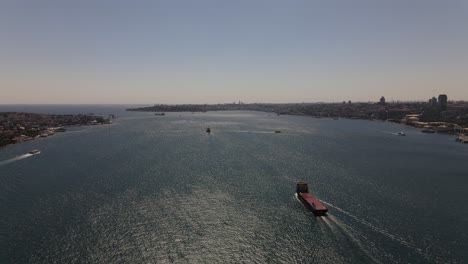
[112, 51]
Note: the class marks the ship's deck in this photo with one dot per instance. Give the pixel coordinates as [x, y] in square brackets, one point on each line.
[313, 201]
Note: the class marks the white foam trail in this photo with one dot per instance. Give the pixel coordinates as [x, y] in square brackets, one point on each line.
[388, 132]
[24, 156]
[329, 224]
[299, 201]
[332, 224]
[346, 231]
[376, 229]
[381, 231]
[297, 198]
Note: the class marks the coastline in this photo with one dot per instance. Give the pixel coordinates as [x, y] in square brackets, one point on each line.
[18, 127]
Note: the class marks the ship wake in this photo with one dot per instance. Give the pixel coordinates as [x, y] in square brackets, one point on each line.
[8, 161]
[349, 231]
[338, 230]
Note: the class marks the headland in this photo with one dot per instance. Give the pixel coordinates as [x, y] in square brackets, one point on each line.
[17, 127]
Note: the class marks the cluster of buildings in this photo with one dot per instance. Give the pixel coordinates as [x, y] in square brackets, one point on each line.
[438, 114]
[437, 110]
[440, 103]
[441, 127]
[19, 127]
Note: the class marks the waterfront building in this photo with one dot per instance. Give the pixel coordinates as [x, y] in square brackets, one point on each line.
[443, 102]
[419, 124]
[412, 118]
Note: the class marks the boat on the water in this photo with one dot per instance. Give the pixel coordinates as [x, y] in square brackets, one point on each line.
[401, 134]
[33, 152]
[428, 130]
[309, 200]
[462, 138]
[277, 131]
[208, 130]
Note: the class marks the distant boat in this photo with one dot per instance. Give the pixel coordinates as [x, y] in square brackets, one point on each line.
[335, 118]
[60, 129]
[208, 130]
[34, 152]
[462, 138]
[401, 134]
[277, 131]
[160, 114]
[427, 130]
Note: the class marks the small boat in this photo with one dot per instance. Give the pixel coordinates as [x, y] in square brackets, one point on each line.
[401, 134]
[60, 129]
[462, 138]
[428, 130]
[160, 114]
[310, 201]
[34, 152]
[208, 130]
[277, 131]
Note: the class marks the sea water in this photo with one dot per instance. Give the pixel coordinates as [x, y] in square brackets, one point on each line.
[159, 189]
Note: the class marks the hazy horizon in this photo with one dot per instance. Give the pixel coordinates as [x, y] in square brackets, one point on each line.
[190, 103]
[181, 52]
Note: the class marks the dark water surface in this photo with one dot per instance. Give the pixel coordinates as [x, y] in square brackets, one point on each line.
[158, 189]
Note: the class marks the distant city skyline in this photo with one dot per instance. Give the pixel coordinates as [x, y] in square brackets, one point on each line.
[207, 51]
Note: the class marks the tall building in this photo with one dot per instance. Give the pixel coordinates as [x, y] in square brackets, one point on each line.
[382, 100]
[433, 102]
[443, 102]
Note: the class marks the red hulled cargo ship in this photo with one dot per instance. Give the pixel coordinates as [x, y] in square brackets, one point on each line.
[309, 200]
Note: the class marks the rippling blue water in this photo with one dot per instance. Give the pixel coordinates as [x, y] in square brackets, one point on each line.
[153, 189]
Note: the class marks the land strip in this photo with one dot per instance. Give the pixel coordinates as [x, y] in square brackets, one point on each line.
[16, 127]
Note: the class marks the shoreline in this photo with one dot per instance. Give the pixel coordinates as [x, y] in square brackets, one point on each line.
[19, 127]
